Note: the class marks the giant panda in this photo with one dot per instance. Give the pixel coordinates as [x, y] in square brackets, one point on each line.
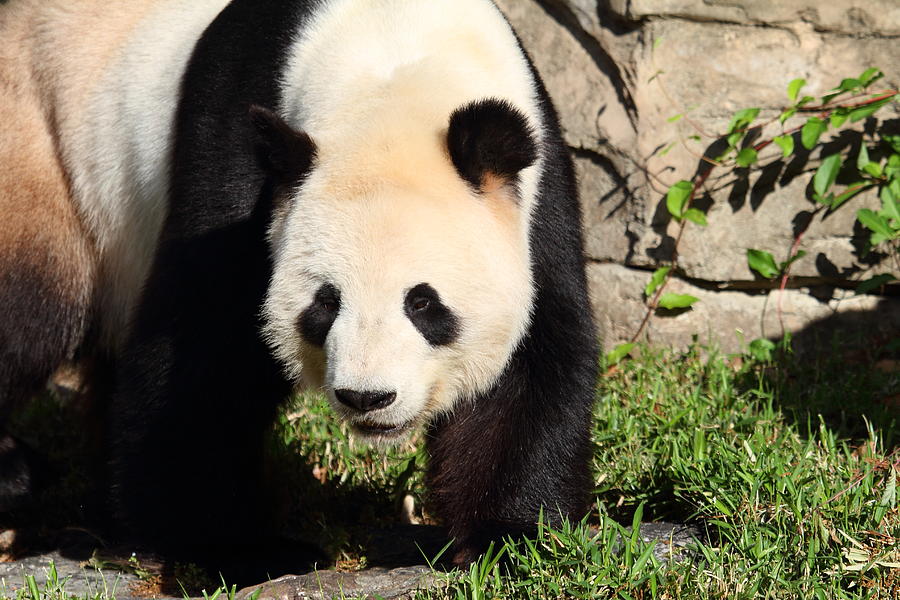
[225, 200]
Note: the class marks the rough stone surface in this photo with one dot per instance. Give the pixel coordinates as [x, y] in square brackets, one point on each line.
[673, 542]
[863, 17]
[400, 583]
[78, 579]
[732, 318]
[618, 70]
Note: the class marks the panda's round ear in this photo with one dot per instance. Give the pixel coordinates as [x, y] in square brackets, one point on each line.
[490, 141]
[281, 150]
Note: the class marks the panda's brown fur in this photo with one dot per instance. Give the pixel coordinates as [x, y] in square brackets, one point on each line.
[47, 260]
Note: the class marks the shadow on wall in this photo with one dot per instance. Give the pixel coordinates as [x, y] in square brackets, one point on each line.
[740, 189]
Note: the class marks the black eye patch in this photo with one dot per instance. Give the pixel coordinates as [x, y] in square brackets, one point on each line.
[437, 323]
[315, 322]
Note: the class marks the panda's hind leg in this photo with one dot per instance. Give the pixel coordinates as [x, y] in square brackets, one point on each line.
[46, 275]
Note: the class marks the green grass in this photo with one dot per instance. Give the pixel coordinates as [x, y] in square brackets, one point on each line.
[789, 468]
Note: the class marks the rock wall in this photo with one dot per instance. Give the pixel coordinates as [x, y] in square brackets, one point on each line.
[619, 69]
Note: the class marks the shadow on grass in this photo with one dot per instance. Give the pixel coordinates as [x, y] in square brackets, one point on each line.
[846, 369]
[674, 429]
[355, 523]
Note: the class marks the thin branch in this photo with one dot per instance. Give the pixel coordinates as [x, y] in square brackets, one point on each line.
[699, 181]
[787, 269]
[654, 302]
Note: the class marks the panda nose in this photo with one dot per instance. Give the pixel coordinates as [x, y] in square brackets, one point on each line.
[365, 401]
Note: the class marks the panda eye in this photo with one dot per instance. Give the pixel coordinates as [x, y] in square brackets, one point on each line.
[431, 317]
[315, 322]
[420, 304]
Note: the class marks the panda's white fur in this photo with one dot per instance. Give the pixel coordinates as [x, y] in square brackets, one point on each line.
[384, 209]
[110, 72]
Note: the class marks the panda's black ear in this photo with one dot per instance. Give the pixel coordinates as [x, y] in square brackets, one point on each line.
[490, 140]
[282, 151]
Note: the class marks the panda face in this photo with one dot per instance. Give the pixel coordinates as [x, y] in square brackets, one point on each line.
[399, 298]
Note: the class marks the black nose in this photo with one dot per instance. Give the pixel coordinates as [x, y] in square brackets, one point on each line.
[365, 401]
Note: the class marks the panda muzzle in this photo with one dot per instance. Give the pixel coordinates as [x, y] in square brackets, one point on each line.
[365, 401]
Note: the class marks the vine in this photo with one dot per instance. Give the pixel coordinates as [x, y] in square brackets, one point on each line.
[851, 101]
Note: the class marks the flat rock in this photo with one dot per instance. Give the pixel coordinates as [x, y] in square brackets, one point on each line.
[377, 582]
[673, 540]
[75, 577]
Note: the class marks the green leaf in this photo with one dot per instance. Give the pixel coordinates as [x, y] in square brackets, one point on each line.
[636, 519]
[671, 301]
[862, 159]
[870, 76]
[677, 198]
[761, 349]
[800, 254]
[805, 100]
[873, 169]
[812, 131]
[889, 497]
[848, 85]
[675, 118]
[827, 98]
[787, 115]
[890, 195]
[870, 285]
[762, 262]
[826, 174]
[826, 200]
[656, 280]
[616, 355]
[746, 157]
[839, 117]
[893, 167]
[695, 215]
[794, 88]
[786, 143]
[858, 114]
[878, 225]
[742, 119]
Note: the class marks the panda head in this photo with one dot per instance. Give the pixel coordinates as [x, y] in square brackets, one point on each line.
[401, 267]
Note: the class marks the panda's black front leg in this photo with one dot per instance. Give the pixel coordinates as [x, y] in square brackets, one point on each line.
[197, 393]
[497, 462]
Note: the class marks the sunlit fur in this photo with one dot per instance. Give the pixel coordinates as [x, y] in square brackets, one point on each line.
[145, 209]
[113, 140]
[384, 209]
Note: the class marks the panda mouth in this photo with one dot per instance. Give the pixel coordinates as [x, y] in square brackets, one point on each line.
[381, 429]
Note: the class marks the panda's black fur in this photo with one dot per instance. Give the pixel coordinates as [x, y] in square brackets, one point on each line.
[490, 136]
[526, 443]
[196, 387]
